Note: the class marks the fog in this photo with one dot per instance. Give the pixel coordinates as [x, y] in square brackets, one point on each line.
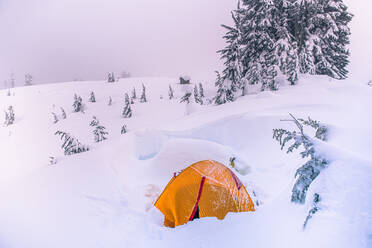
[63, 40]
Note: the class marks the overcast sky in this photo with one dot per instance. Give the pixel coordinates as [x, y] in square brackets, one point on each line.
[62, 40]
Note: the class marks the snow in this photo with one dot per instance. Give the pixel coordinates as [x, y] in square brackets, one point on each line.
[104, 197]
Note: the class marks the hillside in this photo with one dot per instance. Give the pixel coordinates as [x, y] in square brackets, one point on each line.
[104, 197]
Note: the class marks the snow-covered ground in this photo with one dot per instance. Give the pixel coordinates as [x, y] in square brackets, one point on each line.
[104, 197]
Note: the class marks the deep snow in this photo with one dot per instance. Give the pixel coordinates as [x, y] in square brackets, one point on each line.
[104, 197]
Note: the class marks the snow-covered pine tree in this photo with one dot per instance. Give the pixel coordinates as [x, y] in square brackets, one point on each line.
[290, 36]
[126, 99]
[143, 95]
[124, 129]
[224, 91]
[331, 25]
[307, 173]
[186, 98]
[55, 118]
[64, 116]
[231, 54]
[134, 94]
[92, 97]
[70, 144]
[170, 93]
[9, 116]
[78, 104]
[99, 131]
[201, 90]
[197, 98]
[127, 112]
[28, 79]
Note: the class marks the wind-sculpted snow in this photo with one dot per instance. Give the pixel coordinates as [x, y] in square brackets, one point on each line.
[104, 197]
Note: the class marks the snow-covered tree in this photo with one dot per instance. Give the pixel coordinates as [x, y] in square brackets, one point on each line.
[143, 94]
[124, 129]
[55, 118]
[92, 97]
[201, 90]
[9, 116]
[127, 112]
[99, 131]
[134, 94]
[197, 98]
[186, 98]
[78, 104]
[70, 144]
[225, 91]
[307, 173]
[170, 93]
[28, 79]
[110, 101]
[12, 80]
[64, 116]
[111, 77]
[270, 38]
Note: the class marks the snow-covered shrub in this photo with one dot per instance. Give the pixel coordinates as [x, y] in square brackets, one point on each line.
[185, 79]
[143, 95]
[170, 93]
[124, 129]
[307, 173]
[52, 160]
[92, 97]
[99, 131]
[315, 208]
[370, 83]
[70, 144]
[78, 104]
[186, 98]
[9, 116]
[55, 118]
[64, 116]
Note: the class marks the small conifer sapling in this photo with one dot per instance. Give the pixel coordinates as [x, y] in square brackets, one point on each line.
[99, 131]
[70, 144]
[9, 116]
[143, 95]
[170, 93]
[92, 97]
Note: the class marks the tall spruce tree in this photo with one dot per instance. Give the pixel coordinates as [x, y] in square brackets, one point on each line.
[283, 37]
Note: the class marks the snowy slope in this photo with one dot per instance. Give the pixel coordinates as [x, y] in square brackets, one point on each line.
[104, 197]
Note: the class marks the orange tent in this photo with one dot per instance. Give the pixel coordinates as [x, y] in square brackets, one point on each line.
[204, 189]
